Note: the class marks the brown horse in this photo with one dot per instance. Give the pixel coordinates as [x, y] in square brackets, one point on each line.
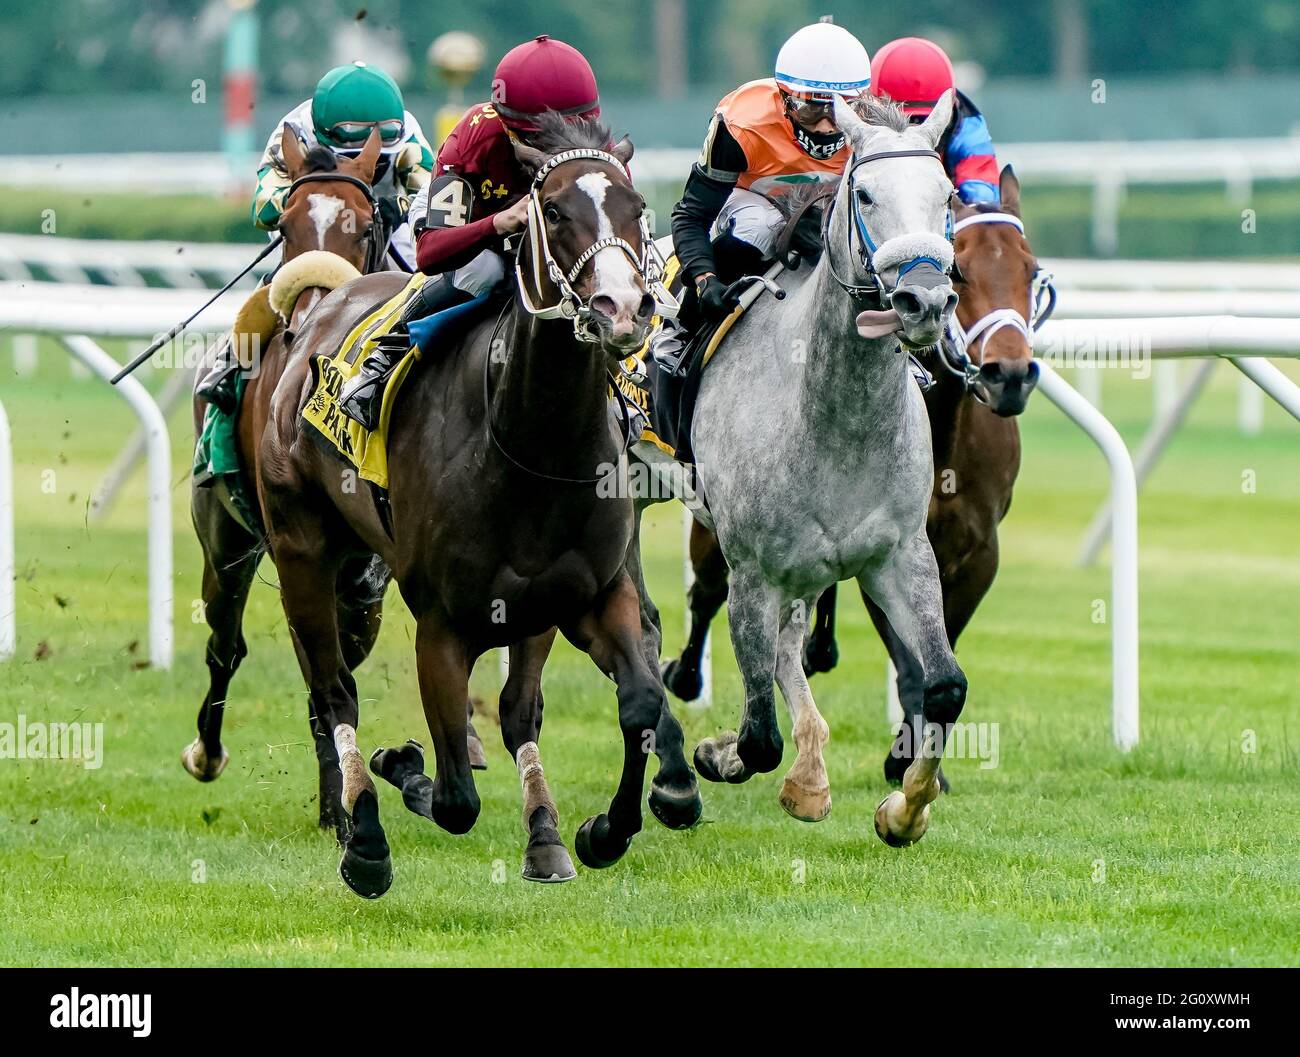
[978, 391]
[328, 225]
[498, 530]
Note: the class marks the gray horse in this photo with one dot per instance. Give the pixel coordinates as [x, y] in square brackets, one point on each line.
[812, 447]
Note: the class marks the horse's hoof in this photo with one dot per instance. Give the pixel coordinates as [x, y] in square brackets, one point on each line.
[367, 866]
[716, 760]
[195, 759]
[548, 863]
[477, 755]
[596, 846]
[686, 684]
[895, 835]
[417, 795]
[675, 808]
[807, 805]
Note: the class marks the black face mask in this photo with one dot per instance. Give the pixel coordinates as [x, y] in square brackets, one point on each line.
[819, 145]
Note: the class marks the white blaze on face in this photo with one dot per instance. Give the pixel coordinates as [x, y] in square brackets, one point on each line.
[323, 210]
[616, 278]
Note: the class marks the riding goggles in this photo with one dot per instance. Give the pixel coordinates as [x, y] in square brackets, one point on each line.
[354, 133]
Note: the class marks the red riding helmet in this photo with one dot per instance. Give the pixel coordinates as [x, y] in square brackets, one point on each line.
[543, 74]
[911, 71]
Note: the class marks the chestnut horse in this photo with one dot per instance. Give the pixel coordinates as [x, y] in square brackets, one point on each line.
[498, 531]
[329, 229]
[981, 384]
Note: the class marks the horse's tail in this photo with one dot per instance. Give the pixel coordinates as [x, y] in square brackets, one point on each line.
[313, 268]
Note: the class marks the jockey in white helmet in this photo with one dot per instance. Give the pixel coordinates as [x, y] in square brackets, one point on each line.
[765, 137]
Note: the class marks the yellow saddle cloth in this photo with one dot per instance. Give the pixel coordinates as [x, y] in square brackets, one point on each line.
[365, 450]
[635, 365]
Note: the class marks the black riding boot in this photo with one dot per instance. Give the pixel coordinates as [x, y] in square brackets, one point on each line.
[217, 387]
[362, 397]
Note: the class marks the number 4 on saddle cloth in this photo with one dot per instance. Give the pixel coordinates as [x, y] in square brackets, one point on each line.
[366, 450]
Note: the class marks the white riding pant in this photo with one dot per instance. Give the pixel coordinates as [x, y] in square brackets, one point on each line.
[752, 219]
[481, 274]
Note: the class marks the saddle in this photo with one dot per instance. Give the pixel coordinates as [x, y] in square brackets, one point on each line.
[366, 451]
[662, 379]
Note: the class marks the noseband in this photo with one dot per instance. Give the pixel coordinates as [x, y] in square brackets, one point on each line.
[375, 247]
[953, 353]
[866, 247]
[649, 263]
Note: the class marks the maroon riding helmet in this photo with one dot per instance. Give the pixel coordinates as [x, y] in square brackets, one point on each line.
[543, 74]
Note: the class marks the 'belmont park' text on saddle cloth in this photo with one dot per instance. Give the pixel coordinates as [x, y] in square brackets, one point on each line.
[367, 450]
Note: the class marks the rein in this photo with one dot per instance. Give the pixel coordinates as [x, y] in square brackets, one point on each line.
[876, 291]
[953, 355]
[624, 411]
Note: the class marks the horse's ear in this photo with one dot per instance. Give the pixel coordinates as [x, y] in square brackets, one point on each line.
[369, 157]
[295, 159]
[1009, 191]
[530, 158]
[934, 126]
[848, 122]
[623, 150]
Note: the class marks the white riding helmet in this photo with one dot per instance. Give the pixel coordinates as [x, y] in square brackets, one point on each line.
[823, 60]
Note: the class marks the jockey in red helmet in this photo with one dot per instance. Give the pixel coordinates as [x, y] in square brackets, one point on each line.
[478, 196]
[915, 73]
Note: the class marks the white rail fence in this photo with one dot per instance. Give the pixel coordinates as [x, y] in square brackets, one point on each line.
[74, 313]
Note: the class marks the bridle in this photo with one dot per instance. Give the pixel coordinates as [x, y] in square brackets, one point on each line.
[376, 247]
[867, 249]
[649, 263]
[953, 354]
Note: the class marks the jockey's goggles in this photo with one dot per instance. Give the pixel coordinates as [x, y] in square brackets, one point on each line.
[355, 133]
[810, 110]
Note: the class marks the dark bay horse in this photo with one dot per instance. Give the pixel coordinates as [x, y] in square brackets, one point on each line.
[499, 531]
[976, 459]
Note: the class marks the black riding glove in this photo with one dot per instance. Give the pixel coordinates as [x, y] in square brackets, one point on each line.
[715, 304]
[391, 212]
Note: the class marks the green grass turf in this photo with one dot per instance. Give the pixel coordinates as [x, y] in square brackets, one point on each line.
[1185, 851]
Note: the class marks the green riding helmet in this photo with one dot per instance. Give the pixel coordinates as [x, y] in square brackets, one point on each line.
[352, 100]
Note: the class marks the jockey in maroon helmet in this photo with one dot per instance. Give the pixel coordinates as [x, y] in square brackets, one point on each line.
[478, 196]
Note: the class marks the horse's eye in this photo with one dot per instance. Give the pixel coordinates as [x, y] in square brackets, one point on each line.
[864, 199]
[552, 214]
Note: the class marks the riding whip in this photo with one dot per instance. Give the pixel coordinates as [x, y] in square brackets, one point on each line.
[274, 244]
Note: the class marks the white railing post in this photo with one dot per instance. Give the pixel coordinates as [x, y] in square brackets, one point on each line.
[8, 619]
[1123, 613]
[158, 446]
[1271, 380]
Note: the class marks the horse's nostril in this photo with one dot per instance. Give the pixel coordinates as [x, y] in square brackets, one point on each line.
[992, 373]
[950, 305]
[647, 307]
[906, 303]
[605, 305]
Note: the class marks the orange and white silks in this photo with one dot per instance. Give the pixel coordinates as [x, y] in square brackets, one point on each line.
[755, 116]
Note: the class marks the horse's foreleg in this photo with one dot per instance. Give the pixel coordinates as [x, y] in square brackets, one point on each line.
[754, 616]
[443, 665]
[707, 595]
[910, 680]
[307, 587]
[611, 633]
[820, 652]
[545, 858]
[907, 589]
[806, 791]
[230, 558]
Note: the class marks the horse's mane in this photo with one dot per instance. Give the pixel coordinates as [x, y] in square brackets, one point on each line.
[876, 111]
[556, 133]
